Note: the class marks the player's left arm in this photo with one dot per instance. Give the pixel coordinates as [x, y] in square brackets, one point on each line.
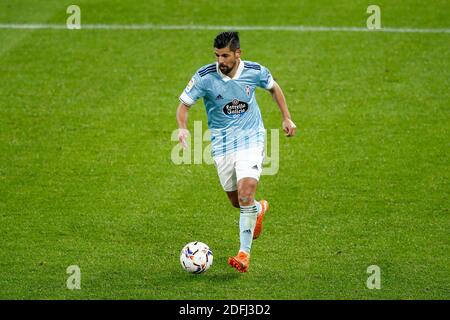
[289, 126]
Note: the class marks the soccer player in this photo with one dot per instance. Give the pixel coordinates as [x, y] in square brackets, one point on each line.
[237, 131]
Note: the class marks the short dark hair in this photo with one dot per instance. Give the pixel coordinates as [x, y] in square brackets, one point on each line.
[227, 39]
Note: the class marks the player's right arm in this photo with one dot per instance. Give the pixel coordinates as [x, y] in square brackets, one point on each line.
[192, 92]
[182, 116]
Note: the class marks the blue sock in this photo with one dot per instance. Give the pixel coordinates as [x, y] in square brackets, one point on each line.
[258, 206]
[247, 224]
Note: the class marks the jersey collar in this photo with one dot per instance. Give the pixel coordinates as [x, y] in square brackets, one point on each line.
[236, 75]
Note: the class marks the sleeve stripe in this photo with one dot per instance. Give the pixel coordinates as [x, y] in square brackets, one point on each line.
[252, 66]
[207, 67]
[207, 72]
[270, 84]
[186, 99]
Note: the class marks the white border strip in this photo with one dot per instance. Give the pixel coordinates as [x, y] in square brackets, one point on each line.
[211, 27]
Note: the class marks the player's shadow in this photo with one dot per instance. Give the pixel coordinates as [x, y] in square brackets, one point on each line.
[213, 275]
[225, 277]
[220, 272]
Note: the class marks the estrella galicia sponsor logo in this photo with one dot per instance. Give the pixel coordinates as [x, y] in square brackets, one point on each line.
[235, 108]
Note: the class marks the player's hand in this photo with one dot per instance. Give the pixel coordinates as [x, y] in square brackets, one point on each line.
[182, 135]
[289, 127]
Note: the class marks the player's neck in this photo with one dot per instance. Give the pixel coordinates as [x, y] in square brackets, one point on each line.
[234, 70]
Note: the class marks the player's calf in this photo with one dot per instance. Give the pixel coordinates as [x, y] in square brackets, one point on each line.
[233, 197]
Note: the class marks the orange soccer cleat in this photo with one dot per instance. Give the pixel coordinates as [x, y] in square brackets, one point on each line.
[258, 226]
[240, 262]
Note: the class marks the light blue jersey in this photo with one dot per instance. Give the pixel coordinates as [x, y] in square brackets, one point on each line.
[234, 118]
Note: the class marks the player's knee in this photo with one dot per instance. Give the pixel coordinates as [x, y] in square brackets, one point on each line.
[246, 194]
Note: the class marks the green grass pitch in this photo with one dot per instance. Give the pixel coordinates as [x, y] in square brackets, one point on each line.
[86, 176]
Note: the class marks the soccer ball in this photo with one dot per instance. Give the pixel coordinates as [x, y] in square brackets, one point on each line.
[196, 257]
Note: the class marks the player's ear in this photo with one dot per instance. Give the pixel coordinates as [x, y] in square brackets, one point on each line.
[238, 53]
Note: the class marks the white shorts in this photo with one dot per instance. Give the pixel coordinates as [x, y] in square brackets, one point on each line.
[242, 164]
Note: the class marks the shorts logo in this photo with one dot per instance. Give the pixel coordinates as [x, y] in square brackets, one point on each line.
[190, 85]
[235, 108]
